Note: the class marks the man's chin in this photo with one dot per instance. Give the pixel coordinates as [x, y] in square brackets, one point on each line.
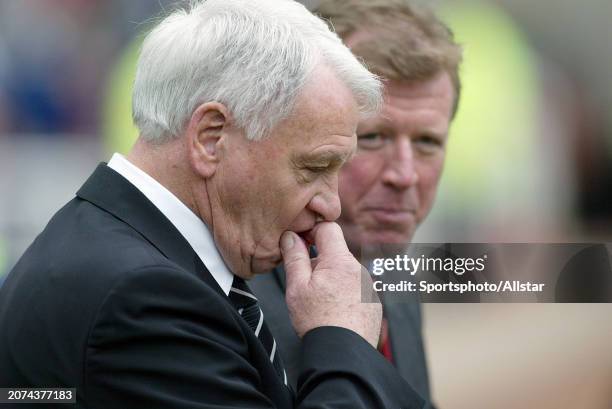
[264, 265]
[381, 238]
[373, 240]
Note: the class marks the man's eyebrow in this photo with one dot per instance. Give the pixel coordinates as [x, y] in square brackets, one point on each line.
[326, 157]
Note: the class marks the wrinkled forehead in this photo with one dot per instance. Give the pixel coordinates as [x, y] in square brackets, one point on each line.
[434, 94]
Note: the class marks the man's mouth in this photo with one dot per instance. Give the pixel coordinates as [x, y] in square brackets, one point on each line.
[307, 237]
[390, 208]
[392, 215]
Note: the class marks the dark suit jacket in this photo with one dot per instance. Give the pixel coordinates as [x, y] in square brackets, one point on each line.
[404, 321]
[112, 300]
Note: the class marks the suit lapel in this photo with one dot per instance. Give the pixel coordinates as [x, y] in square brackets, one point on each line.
[406, 341]
[111, 192]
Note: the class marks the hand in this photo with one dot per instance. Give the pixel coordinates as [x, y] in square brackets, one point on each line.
[326, 291]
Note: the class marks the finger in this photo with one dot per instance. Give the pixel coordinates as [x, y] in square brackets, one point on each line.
[296, 260]
[329, 239]
[314, 262]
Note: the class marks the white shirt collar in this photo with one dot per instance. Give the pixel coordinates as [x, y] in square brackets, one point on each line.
[187, 223]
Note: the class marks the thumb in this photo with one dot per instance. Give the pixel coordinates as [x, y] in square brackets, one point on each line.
[296, 260]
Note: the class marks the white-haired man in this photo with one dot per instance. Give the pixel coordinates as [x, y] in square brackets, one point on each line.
[388, 187]
[134, 294]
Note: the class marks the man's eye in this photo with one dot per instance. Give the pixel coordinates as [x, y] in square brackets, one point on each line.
[370, 141]
[428, 144]
[317, 169]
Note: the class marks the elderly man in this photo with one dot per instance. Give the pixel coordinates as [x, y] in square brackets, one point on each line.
[388, 187]
[134, 294]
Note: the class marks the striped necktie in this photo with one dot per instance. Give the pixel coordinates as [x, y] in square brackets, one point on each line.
[248, 307]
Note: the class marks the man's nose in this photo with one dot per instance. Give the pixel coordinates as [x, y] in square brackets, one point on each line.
[400, 171]
[326, 205]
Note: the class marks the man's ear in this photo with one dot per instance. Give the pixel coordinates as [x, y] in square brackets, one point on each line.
[208, 123]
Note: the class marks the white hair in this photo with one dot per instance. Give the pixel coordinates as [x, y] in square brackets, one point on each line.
[253, 56]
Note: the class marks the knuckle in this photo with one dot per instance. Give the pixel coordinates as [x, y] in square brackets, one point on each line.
[293, 260]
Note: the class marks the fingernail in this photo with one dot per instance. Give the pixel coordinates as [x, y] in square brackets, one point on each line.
[287, 241]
